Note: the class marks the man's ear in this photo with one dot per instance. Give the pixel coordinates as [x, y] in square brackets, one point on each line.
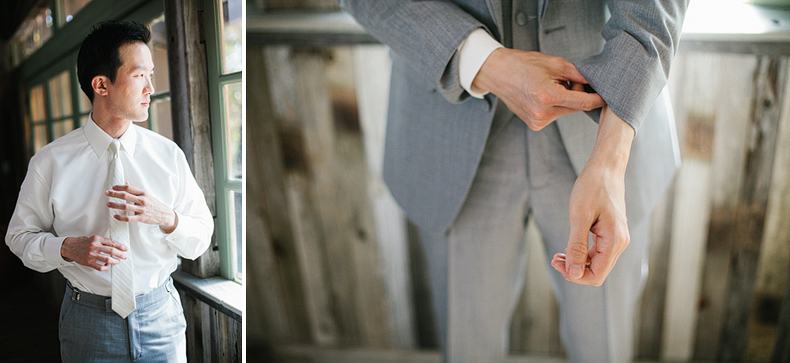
[99, 85]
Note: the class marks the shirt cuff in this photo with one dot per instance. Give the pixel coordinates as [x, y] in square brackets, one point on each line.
[183, 237]
[472, 53]
[52, 252]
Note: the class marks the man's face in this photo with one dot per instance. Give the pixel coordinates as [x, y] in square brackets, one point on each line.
[130, 95]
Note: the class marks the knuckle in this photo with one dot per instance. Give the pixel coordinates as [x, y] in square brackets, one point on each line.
[577, 250]
[543, 97]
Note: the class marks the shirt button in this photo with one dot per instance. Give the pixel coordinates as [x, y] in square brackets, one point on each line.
[521, 19]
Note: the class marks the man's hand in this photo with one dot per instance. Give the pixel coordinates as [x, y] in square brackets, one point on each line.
[537, 88]
[93, 251]
[597, 205]
[145, 207]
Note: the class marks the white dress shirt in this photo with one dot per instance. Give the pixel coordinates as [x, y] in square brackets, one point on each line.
[472, 53]
[63, 196]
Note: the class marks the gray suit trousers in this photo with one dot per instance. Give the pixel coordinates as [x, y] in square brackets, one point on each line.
[477, 267]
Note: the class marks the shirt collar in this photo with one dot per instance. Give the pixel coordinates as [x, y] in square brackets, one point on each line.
[100, 140]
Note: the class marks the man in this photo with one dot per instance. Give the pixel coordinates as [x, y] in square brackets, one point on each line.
[111, 205]
[481, 136]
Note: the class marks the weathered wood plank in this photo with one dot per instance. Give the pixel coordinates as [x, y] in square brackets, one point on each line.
[368, 355]
[312, 263]
[727, 164]
[749, 219]
[691, 208]
[197, 113]
[271, 255]
[314, 120]
[262, 6]
[194, 327]
[356, 210]
[686, 253]
[372, 72]
[781, 350]
[774, 272]
[315, 99]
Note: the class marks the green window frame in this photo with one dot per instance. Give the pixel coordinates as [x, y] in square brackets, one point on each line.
[225, 90]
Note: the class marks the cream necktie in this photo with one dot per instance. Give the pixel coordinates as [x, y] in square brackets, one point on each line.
[122, 274]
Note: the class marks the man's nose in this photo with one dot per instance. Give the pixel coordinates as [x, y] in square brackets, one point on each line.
[149, 87]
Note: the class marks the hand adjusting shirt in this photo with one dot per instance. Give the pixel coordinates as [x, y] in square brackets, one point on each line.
[63, 196]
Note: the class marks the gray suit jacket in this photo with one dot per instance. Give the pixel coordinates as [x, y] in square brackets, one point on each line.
[436, 132]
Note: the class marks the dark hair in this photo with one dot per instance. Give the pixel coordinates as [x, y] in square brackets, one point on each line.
[99, 55]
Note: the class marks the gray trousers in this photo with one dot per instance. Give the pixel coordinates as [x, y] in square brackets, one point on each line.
[476, 269]
[91, 332]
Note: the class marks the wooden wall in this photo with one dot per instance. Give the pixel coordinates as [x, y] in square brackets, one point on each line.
[332, 261]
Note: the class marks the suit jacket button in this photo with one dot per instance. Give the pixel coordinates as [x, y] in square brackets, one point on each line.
[521, 19]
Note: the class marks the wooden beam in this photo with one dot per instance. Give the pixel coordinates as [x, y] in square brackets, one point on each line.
[179, 79]
[272, 257]
[186, 55]
[748, 221]
[777, 231]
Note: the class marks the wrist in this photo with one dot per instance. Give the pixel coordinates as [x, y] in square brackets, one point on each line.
[171, 224]
[484, 78]
[63, 251]
[613, 142]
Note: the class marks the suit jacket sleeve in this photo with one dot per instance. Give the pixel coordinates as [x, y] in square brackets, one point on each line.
[427, 33]
[641, 40]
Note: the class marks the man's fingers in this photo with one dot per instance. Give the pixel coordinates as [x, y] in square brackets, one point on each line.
[579, 101]
[115, 244]
[569, 72]
[128, 188]
[576, 252]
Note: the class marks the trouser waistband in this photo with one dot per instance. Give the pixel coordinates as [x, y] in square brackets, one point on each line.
[105, 303]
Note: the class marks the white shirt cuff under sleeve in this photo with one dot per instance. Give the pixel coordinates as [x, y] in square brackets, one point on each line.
[472, 53]
[52, 252]
[190, 238]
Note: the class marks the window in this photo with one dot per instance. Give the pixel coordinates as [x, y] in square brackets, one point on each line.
[224, 45]
[31, 35]
[70, 8]
[159, 117]
[57, 105]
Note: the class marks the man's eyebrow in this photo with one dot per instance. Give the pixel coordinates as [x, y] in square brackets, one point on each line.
[141, 66]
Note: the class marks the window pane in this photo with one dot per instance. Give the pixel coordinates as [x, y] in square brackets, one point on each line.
[83, 120]
[85, 103]
[60, 95]
[159, 53]
[62, 127]
[38, 111]
[39, 137]
[236, 233]
[231, 35]
[233, 105]
[72, 7]
[33, 32]
[162, 118]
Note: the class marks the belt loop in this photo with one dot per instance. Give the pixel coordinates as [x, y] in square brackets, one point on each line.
[75, 295]
[108, 305]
